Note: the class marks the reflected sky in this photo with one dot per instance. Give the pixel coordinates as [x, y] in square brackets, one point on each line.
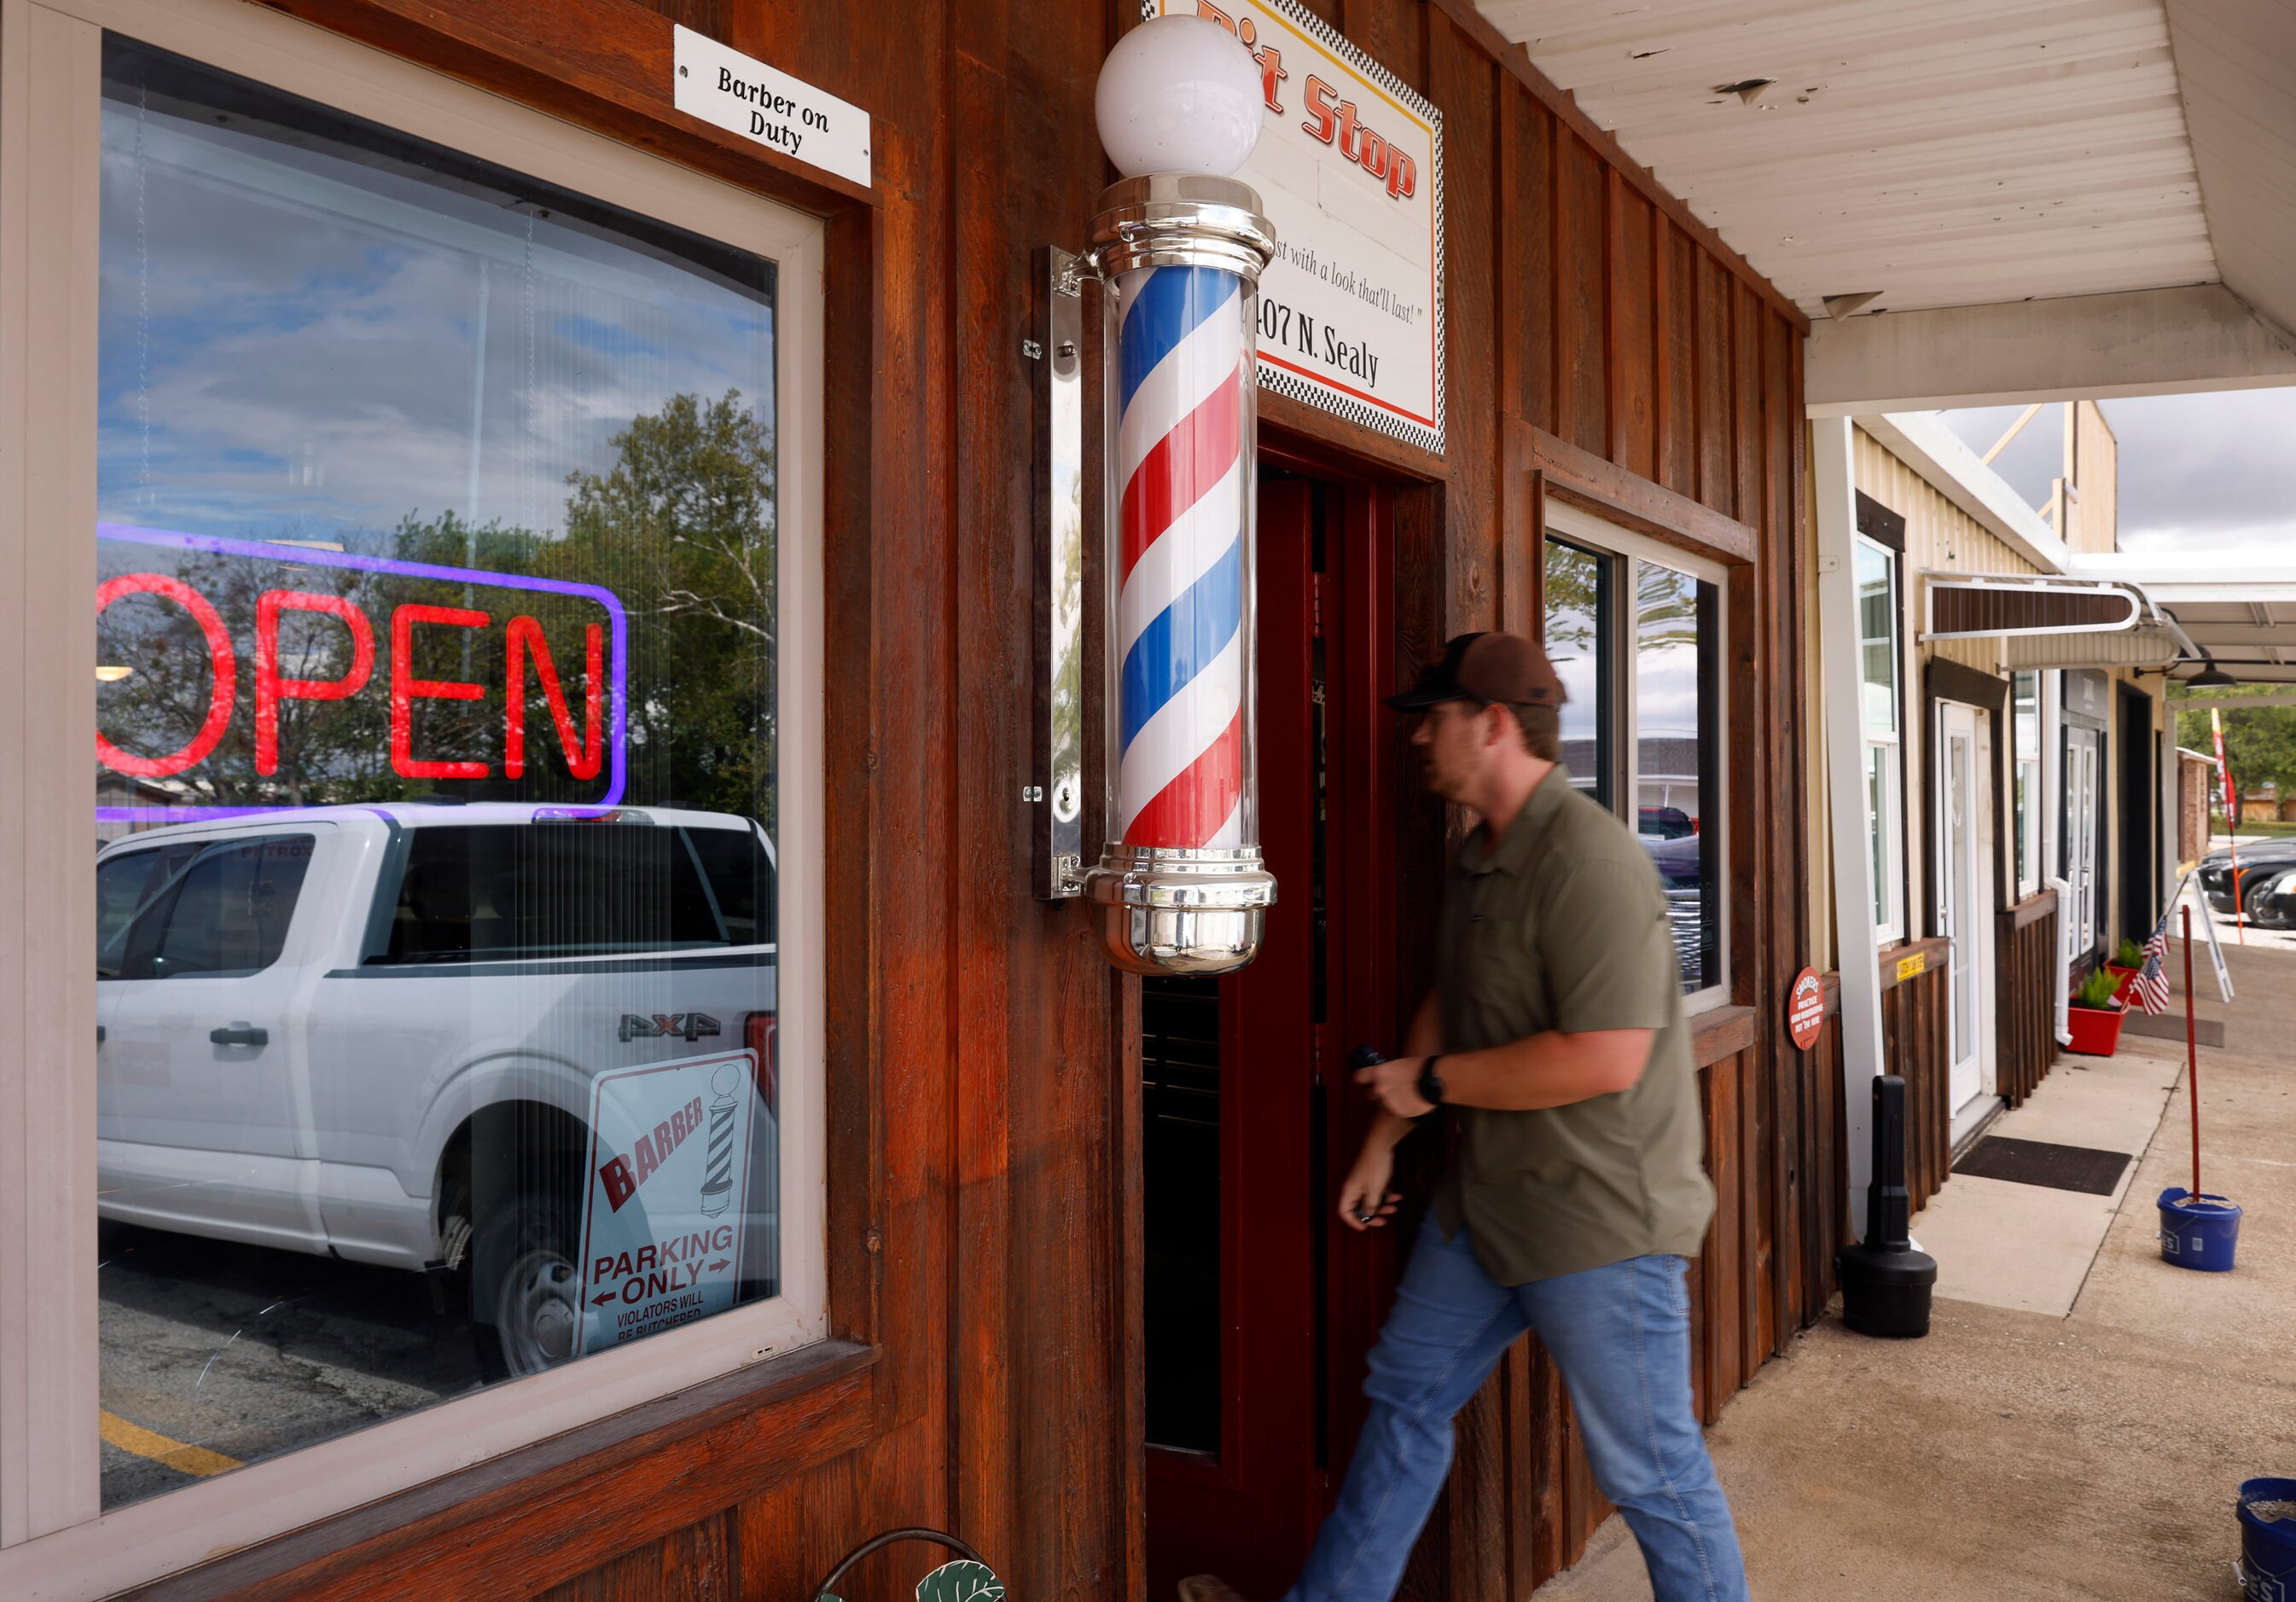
[310, 341]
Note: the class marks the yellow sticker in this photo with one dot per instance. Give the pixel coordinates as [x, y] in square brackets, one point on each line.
[1907, 966]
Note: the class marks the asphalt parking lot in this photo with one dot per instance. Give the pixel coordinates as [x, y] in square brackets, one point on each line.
[215, 1354]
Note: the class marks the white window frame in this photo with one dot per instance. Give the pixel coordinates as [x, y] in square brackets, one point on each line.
[1584, 528]
[55, 1540]
[1889, 827]
[2026, 830]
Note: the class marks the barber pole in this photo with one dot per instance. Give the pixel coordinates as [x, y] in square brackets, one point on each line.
[718, 1168]
[1179, 637]
[1181, 877]
[1179, 248]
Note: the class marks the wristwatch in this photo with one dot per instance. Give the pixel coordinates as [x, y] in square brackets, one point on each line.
[1431, 1086]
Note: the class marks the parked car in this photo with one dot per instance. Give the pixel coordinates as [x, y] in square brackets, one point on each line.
[2272, 906]
[372, 1032]
[1665, 822]
[1680, 860]
[2260, 865]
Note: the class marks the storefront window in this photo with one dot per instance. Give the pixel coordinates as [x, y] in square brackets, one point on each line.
[439, 773]
[1577, 610]
[1677, 716]
[1669, 756]
[1878, 651]
[2027, 715]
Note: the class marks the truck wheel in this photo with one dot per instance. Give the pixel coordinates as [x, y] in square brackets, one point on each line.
[525, 1315]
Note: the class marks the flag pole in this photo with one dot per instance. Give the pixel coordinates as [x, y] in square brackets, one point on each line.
[2192, 1052]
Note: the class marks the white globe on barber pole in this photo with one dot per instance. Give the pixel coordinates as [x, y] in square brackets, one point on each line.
[1178, 95]
[1178, 246]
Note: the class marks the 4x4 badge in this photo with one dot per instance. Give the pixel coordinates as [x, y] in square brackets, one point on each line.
[691, 1026]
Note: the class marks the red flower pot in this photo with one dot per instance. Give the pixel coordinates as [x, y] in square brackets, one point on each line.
[2096, 1032]
[2122, 991]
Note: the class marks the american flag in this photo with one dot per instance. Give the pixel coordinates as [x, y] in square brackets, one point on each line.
[2151, 986]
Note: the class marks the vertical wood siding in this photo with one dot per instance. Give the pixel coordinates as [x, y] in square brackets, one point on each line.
[1916, 1035]
[985, 1167]
[2025, 1014]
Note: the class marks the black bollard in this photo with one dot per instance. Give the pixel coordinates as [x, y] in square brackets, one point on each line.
[1885, 1282]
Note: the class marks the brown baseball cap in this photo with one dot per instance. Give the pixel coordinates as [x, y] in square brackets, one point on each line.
[1484, 668]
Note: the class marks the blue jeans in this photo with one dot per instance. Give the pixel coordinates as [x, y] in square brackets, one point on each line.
[1620, 1336]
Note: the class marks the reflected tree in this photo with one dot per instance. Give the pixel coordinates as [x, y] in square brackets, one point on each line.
[681, 529]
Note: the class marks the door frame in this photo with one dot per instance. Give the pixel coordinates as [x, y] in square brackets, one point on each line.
[1349, 1277]
[1946, 681]
[2137, 883]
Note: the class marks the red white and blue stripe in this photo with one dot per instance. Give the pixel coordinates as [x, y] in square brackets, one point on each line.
[1182, 366]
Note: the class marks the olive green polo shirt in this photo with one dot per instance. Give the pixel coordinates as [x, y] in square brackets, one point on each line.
[1561, 925]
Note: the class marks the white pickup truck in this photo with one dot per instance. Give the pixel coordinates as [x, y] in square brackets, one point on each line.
[371, 1031]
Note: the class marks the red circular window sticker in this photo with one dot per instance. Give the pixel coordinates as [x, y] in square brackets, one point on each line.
[1806, 1009]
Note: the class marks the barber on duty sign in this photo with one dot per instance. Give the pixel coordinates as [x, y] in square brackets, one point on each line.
[765, 105]
[1350, 168]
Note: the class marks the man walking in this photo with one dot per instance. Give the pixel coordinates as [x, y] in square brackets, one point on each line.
[1578, 1188]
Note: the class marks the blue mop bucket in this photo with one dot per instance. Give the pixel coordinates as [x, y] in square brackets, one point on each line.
[2201, 1234]
[2267, 1548]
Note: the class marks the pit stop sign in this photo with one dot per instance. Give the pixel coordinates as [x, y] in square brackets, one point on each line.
[665, 1195]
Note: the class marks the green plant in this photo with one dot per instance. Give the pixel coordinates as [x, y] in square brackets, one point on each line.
[2095, 992]
[2129, 955]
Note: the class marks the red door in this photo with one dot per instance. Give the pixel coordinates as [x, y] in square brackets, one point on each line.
[1258, 1306]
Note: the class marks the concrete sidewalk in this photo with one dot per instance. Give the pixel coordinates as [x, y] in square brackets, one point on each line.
[2021, 1454]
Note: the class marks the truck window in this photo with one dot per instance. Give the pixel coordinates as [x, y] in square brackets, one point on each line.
[125, 885]
[231, 913]
[530, 890]
[741, 879]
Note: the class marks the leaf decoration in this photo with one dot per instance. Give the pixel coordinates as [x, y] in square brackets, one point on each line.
[963, 1581]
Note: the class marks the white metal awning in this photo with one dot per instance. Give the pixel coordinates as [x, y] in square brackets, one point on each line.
[2129, 611]
[2052, 620]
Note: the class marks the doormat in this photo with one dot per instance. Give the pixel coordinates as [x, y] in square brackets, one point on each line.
[2082, 1168]
[2208, 1031]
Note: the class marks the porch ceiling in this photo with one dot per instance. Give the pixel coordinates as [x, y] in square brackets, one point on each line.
[1955, 152]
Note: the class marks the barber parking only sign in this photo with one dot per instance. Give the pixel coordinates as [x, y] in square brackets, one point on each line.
[662, 1212]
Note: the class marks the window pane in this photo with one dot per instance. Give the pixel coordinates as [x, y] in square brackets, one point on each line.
[1877, 634]
[437, 505]
[1882, 822]
[2028, 748]
[550, 890]
[1578, 624]
[230, 914]
[125, 886]
[1676, 733]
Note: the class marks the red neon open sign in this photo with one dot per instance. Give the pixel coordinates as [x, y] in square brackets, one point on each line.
[500, 622]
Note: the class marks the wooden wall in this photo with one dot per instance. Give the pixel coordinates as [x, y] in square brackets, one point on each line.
[1606, 349]
[2088, 518]
[2024, 992]
[984, 1170]
[1916, 1045]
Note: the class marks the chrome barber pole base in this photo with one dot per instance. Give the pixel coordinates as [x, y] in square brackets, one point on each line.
[1180, 911]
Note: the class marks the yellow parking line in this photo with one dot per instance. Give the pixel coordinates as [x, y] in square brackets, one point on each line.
[175, 1454]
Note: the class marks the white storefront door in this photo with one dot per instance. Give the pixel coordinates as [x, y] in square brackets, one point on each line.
[1965, 892]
